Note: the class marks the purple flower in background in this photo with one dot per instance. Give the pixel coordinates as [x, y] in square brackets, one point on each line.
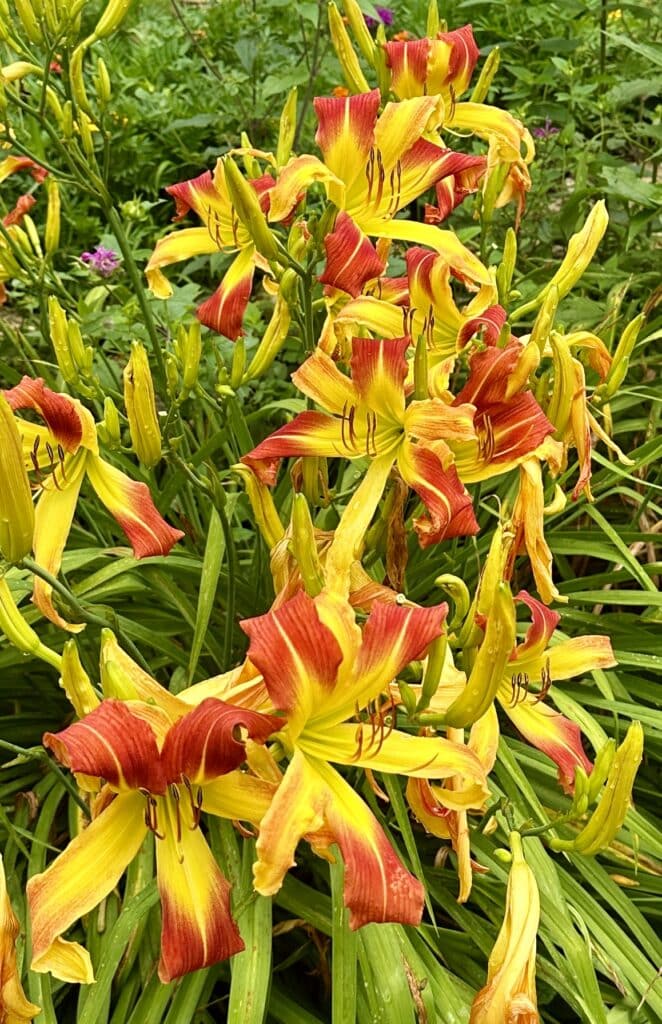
[544, 131]
[385, 16]
[103, 261]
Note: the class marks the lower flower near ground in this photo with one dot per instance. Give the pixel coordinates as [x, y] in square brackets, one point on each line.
[160, 772]
[321, 669]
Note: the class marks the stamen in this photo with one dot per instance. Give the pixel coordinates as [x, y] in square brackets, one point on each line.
[174, 793]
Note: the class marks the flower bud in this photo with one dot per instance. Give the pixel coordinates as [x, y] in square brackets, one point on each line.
[506, 268]
[247, 205]
[110, 429]
[75, 681]
[33, 235]
[345, 52]
[304, 547]
[544, 322]
[18, 632]
[272, 340]
[82, 354]
[17, 70]
[16, 508]
[67, 120]
[190, 354]
[141, 407]
[287, 128]
[52, 230]
[57, 322]
[488, 71]
[606, 820]
[490, 664]
[76, 75]
[238, 363]
[432, 26]
[28, 18]
[111, 18]
[262, 504]
[251, 166]
[103, 87]
[359, 29]
[621, 358]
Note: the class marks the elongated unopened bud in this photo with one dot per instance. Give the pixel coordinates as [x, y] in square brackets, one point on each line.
[18, 632]
[486, 77]
[75, 681]
[28, 19]
[52, 230]
[544, 322]
[262, 504]
[16, 508]
[238, 363]
[359, 29]
[190, 354]
[581, 250]
[490, 664]
[141, 407]
[18, 69]
[621, 359]
[432, 23]
[304, 548]
[273, 339]
[112, 18]
[345, 52]
[110, 429]
[287, 128]
[57, 322]
[247, 205]
[603, 825]
[506, 268]
[103, 87]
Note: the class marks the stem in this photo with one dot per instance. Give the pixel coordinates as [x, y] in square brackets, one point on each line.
[230, 602]
[40, 755]
[116, 224]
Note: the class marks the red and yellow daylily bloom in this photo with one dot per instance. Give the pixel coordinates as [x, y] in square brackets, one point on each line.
[15, 1008]
[427, 309]
[161, 771]
[440, 66]
[510, 425]
[510, 991]
[208, 196]
[60, 452]
[528, 525]
[367, 415]
[373, 167]
[321, 669]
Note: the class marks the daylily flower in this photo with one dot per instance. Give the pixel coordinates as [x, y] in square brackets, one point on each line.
[161, 770]
[15, 1008]
[433, 66]
[208, 196]
[60, 452]
[367, 415]
[373, 167]
[510, 425]
[527, 524]
[426, 309]
[321, 669]
[510, 992]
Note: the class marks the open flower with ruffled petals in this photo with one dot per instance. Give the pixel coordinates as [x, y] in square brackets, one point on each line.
[510, 425]
[367, 415]
[161, 771]
[321, 669]
[510, 992]
[427, 309]
[374, 165]
[60, 452]
[222, 231]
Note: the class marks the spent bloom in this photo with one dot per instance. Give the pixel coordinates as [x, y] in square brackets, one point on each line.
[103, 261]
